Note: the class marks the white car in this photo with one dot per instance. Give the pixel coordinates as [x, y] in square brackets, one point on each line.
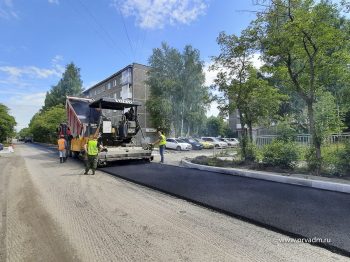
[173, 143]
[232, 142]
[217, 143]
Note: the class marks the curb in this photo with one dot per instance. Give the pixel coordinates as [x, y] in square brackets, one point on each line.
[325, 185]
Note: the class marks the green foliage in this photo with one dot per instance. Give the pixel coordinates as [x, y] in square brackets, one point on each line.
[7, 123]
[25, 132]
[215, 126]
[178, 97]
[280, 154]
[44, 124]
[343, 163]
[243, 86]
[336, 159]
[249, 152]
[314, 164]
[69, 85]
[327, 118]
[285, 132]
[297, 42]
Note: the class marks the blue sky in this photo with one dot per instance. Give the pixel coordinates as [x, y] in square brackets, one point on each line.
[39, 37]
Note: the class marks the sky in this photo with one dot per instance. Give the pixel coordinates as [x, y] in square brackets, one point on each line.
[40, 37]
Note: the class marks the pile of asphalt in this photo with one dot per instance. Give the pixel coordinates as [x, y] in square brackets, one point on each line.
[296, 211]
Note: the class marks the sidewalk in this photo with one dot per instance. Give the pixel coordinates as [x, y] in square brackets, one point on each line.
[332, 184]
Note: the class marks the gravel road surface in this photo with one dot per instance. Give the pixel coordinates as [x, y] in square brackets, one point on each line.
[52, 212]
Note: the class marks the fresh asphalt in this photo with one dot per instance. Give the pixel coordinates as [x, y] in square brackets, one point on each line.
[296, 211]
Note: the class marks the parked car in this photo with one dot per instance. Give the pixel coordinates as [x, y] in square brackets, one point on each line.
[232, 142]
[174, 143]
[195, 145]
[205, 144]
[1, 147]
[217, 143]
[28, 139]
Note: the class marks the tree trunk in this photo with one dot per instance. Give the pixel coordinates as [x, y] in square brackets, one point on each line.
[250, 134]
[315, 141]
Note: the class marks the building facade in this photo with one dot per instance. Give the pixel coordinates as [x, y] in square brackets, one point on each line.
[127, 83]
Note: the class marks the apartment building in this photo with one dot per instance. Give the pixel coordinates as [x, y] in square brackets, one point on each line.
[127, 83]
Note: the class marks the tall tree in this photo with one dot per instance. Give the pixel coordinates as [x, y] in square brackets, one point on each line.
[243, 86]
[70, 84]
[178, 98]
[44, 125]
[304, 43]
[7, 123]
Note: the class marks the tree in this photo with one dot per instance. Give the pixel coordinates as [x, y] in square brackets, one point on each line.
[216, 126]
[303, 44]
[44, 125]
[178, 97]
[70, 84]
[7, 123]
[24, 132]
[243, 86]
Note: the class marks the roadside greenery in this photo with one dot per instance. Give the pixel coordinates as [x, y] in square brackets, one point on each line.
[43, 125]
[179, 99]
[7, 123]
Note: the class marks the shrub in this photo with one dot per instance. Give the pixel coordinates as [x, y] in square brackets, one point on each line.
[312, 162]
[336, 159]
[281, 154]
[342, 166]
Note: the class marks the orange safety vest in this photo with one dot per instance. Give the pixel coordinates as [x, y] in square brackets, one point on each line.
[61, 144]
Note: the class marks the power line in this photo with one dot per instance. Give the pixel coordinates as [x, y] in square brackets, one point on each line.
[126, 31]
[107, 34]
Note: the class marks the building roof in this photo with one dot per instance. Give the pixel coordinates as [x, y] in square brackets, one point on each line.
[114, 104]
[110, 77]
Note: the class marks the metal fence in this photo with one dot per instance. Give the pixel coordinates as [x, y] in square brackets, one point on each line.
[303, 139]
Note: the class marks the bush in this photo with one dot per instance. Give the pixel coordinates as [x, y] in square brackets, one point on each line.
[280, 154]
[251, 152]
[343, 163]
[312, 162]
[336, 159]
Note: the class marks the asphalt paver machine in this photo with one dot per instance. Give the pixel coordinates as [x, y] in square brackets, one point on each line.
[113, 121]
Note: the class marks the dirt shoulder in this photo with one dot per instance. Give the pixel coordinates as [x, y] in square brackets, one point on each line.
[28, 232]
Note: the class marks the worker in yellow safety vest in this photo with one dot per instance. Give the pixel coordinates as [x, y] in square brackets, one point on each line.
[92, 148]
[162, 142]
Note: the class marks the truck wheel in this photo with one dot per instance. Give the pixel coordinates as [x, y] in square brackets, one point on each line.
[178, 148]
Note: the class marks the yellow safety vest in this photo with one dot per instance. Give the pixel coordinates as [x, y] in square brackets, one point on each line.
[92, 148]
[162, 140]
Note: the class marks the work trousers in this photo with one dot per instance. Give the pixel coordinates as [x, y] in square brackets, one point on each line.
[161, 152]
[91, 163]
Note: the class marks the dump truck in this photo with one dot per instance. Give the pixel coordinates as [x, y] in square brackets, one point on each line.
[113, 121]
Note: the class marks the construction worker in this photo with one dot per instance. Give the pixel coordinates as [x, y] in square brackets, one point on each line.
[62, 146]
[91, 148]
[162, 142]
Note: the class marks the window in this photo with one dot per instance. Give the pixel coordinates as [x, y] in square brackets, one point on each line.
[109, 85]
[114, 82]
[126, 77]
[125, 93]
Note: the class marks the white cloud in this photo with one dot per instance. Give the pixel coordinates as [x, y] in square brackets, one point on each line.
[153, 14]
[23, 106]
[7, 10]
[23, 89]
[54, 2]
[15, 73]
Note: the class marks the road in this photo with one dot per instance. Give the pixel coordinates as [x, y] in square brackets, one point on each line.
[51, 212]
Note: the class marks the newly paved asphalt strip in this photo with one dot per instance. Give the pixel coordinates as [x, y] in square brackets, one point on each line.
[289, 209]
